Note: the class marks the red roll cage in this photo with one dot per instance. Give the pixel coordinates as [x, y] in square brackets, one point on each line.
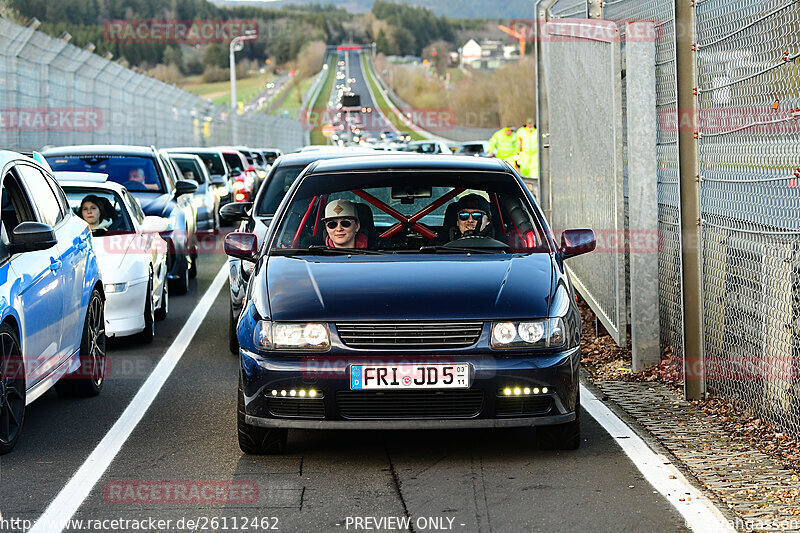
[403, 221]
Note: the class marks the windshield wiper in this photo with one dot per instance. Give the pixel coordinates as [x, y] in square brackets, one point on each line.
[459, 250]
[340, 251]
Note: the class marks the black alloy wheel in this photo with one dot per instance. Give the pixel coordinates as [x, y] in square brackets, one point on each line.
[149, 331]
[89, 378]
[12, 389]
[163, 310]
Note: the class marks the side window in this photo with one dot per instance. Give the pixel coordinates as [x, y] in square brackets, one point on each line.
[169, 172]
[47, 204]
[133, 205]
[15, 207]
[62, 198]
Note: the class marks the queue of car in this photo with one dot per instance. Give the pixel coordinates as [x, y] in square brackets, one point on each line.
[448, 306]
[93, 240]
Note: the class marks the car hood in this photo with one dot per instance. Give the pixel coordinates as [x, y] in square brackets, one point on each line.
[111, 251]
[154, 204]
[421, 288]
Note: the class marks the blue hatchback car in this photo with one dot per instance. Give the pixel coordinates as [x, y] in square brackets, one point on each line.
[408, 293]
[51, 295]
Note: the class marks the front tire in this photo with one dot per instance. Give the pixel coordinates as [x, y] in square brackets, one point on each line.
[12, 389]
[149, 331]
[193, 268]
[255, 440]
[181, 284]
[562, 436]
[233, 340]
[163, 310]
[89, 378]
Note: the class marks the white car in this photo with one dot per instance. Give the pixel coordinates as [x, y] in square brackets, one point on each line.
[131, 254]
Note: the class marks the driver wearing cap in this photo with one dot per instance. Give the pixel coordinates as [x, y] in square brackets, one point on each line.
[341, 223]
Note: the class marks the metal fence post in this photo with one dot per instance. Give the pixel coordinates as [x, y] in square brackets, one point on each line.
[643, 194]
[542, 113]
[686, 62]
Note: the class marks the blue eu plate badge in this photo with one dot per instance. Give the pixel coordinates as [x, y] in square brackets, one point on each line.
[355, 377]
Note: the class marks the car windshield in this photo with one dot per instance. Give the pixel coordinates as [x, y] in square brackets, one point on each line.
[190, 170]
[234, 161]
[110, 204]
[412, 212]
[276, 188]
[213, 163]
[136, 173]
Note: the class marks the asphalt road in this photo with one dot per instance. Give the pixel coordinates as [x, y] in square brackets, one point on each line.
[461, 480]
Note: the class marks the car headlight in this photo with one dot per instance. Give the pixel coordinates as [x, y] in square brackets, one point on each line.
[199, 201]
[545, 333]
[115, 287]
[221, 192]
[238, 185]
[310, 336]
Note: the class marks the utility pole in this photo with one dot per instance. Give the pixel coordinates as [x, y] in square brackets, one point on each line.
[236, 45]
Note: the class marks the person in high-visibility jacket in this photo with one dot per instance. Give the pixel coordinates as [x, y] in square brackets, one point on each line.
[528, 145]
[503, 144]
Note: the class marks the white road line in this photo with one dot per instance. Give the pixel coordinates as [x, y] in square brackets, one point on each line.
[698, 511]
[64, 506]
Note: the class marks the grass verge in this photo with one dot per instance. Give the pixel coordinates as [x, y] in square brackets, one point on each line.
[382, 104]
[321, 103]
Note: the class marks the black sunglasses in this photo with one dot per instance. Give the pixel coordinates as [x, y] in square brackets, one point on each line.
[345, 223]
[476, 215]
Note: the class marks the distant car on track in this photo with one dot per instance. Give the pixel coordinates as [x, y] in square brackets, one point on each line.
[204, 199]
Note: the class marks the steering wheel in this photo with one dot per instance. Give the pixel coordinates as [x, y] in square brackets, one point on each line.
[476, 241]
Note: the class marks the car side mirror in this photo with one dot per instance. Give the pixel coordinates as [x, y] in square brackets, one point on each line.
[236, 172]
[242, 245]
[577, 241]
[185, 187]
[152, 224]
[236, 211]
[32, 236]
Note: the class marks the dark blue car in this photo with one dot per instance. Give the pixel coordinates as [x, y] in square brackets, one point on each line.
[150, 178]
[448, 305]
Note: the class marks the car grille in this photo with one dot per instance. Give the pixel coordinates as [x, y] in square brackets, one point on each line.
[410, 404]
[295, 408]
[409, 334]
[530, 405]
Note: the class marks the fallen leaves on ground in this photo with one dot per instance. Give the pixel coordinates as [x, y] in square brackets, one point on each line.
[606, 361]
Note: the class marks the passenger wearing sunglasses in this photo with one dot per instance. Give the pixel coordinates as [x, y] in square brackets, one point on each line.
[473, 217]
[341, 223]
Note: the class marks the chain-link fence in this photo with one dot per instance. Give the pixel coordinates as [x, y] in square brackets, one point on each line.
[748, 137]
[54, 93]
[749, 142]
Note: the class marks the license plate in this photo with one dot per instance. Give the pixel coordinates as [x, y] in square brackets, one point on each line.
[410, 376]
